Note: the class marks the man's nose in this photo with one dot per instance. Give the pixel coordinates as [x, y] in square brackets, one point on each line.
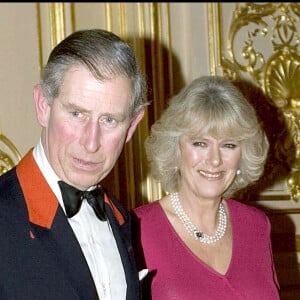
[91, 136]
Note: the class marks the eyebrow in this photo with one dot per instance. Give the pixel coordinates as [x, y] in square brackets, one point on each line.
[70, 105]
[117, 115]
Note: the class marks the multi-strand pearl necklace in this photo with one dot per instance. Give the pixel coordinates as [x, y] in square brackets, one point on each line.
[192, 229]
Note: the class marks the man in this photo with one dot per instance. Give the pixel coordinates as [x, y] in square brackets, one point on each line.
[89, 102]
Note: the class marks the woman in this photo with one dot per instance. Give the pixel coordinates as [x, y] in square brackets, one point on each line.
[197, 242]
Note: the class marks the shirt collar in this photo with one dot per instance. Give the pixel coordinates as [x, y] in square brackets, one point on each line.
[46, 169]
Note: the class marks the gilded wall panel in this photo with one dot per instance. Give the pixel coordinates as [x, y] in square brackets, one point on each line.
[257, 46]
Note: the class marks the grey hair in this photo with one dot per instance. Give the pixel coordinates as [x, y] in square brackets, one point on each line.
[104, 54]
[208, 105]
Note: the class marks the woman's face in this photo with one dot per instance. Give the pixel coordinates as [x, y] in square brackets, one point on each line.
[208, 165]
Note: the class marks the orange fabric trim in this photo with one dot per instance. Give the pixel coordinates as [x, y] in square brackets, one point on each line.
[115, 210]
[41, 201]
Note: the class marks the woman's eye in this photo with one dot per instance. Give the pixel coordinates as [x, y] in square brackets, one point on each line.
[199, 144]
[230, 146]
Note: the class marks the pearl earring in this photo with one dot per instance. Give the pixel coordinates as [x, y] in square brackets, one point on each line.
[238, 172]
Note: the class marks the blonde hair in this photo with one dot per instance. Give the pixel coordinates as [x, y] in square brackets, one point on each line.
[208, 105]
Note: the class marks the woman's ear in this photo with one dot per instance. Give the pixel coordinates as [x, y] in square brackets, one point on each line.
[42, 107]
[136, 120]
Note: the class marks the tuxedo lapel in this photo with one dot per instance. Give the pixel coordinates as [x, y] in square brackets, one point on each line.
[63, 247]
[122, 234]
[40, 200]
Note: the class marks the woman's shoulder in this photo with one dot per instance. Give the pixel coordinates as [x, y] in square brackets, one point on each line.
[245, 210]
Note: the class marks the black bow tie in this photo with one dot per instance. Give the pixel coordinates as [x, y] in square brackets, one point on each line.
[73, 197]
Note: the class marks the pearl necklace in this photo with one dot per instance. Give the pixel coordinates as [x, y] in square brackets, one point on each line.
[192, 229]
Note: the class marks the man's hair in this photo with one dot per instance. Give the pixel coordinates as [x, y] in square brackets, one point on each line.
[103, 53]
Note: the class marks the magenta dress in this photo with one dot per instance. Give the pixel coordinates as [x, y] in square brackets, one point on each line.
[180, 275]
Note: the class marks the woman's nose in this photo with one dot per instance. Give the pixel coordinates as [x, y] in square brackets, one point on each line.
[214, 157]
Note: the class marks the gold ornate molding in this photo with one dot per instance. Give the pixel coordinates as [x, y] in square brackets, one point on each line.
[57, 17]
[213, 16]
[9, 155]
[261, 47]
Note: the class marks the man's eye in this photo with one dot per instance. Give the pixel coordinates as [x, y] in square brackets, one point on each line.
[109, 121]
[76, 113]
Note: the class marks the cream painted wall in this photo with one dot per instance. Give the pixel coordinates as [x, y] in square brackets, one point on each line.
[19, 71]
[189, 36]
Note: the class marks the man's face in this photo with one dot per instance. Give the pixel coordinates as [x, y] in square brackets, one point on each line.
[85, 128]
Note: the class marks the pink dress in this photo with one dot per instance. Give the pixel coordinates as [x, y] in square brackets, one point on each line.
[179, 275]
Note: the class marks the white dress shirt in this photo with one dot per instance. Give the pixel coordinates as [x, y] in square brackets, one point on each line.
[95, 238]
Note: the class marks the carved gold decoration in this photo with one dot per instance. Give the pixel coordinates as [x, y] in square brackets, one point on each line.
[269, 59]
[9, 155]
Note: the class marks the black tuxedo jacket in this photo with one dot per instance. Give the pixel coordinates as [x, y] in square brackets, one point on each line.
[40, 257]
